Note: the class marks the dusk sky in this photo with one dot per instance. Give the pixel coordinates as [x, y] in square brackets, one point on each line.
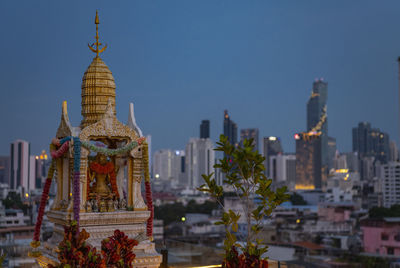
[184, 61]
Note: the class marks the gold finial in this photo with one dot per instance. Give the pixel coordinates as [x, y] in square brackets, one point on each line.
[95, 47]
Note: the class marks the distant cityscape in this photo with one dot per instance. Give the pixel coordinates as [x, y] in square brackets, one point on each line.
[342, 202]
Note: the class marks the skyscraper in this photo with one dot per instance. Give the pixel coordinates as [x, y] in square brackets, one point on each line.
[308, 161]
[4, 169]
[389, 177]
[20, 166]
[331, 152]
[167, 164]
[230, 128]
[282, 171]
[368, 141]
[200, 160]
[205, 129]
[317, 120]
[271, 146]
[394, 152]
[250, 133]
[42, 164]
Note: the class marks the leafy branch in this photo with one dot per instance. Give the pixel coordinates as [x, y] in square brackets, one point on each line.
[244, 173]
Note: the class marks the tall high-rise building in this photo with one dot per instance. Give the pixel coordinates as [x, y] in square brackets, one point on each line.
[20, 166]
[368, 141]
[331, 152]
[317, 120]
[394, 152]
[353, 163]
[308, 161]
[282, 169]
[42, 164]
[389, 177]
[200, 160]
[271, 146]
[250, 133]
[5, 169]
[398, 60]
[230, 128]
[205, 129]
[167, 165]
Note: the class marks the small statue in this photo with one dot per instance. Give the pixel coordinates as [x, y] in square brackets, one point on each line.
[110, 205]
[103, 207]
[122, 204]
[115, 204]
[95, 207]
[88, 206]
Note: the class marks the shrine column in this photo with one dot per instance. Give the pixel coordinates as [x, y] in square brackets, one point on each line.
[138, 203]
[65, 178]
[59, 179]
[83, 178]
[130, 181]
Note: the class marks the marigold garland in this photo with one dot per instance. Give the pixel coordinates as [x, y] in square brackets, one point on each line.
[108, 169]
[149, 198]
[42, 206]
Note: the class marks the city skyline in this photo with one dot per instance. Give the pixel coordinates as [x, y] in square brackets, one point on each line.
[272, 77]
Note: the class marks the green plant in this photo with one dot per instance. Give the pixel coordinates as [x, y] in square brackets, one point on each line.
[244, 173]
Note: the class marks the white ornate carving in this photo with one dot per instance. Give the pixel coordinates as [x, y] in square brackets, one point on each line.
[108, 126]
[132, 120]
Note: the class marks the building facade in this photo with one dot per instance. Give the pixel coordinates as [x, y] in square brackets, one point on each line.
[230, 128]
[250, 133]
[317, 120]
[167, 165]
[282, 170]
[5, 169]
[308, 161]
[205, 129]
[390, 183]
[20, 166]
[381, 236]
[271, 146]
[200, 159]
[368, 141]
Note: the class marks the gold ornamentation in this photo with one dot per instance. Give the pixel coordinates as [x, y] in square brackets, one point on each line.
[95, 47]
[35, 244]
[108, 126]
[98, 88]
[65, 128]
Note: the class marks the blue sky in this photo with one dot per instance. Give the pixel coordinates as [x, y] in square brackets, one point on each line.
[184, 61]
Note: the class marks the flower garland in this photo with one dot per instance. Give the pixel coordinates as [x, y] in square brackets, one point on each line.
[60, 152]
[112, 152]
[77, 174]
[35, 243]
[107, 169]
[149, 198]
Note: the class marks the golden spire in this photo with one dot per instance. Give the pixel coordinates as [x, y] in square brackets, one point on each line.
[95, 47]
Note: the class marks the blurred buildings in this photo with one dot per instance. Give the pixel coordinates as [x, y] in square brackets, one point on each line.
[271, 146]
[230, 128]
[308, 161]
[371, 142]
[200, 158]
[250, 133]
[205, 129]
